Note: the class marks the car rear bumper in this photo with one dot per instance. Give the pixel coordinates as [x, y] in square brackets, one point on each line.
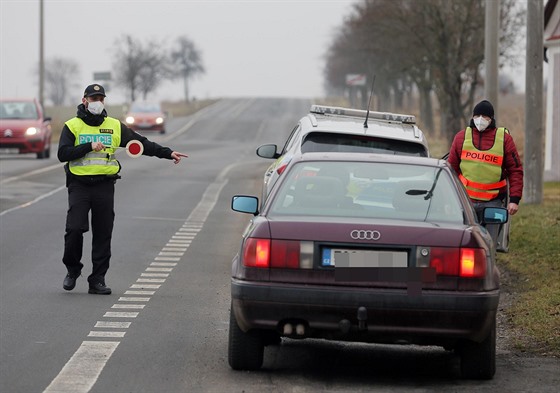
[387, 315]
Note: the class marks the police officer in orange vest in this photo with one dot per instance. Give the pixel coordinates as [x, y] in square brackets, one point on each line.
[486, 160]
[88, 143]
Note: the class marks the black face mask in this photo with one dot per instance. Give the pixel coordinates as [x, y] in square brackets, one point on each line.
[89, 118]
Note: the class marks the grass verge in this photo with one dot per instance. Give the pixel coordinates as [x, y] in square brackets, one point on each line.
[533, 264]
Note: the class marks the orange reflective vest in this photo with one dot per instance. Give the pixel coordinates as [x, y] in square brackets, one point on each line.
[481, 170]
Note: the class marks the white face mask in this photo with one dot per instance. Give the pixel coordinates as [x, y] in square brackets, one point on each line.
[95, 107]
[481, 123]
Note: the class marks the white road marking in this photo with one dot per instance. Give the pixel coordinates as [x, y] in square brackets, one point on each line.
[94, 333]
[31, 173]
[159, 269]
[139, 292]
[48, 194]
[154, 274]
[111, 314]
[134, 299]
[183, 249]
[174, 242]
[145, 286]
[129, 306]
[82, 370]
[115, 325]
[171, 254]
[161, 280]
[166, 259]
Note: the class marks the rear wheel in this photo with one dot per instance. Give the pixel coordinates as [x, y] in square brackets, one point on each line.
[44, 154]
[246, 349]
[478, 360]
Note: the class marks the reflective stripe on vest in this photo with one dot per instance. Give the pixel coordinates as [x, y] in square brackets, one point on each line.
[96, 163]
[481, 170]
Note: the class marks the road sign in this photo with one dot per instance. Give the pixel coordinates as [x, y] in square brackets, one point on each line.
[355, 79]
[102, 76]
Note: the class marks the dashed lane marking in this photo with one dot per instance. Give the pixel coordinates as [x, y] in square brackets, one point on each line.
[81, 372]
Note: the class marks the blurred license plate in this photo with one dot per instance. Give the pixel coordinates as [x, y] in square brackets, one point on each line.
[363, 258]
[9, 150]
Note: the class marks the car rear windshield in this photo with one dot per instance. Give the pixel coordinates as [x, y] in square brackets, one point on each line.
[322, 141]
[368, 190]
[18, 110]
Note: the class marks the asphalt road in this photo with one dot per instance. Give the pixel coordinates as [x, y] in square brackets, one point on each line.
[164, 328]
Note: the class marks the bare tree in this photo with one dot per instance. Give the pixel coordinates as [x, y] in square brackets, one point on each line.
[138, 67]
[154, 69]
[438, 44]
[187, 62]
[60, 74]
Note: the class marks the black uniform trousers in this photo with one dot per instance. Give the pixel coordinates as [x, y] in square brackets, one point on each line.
[99, 198]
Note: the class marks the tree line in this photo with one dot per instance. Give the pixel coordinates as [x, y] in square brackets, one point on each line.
[434, 47]
[138, 66]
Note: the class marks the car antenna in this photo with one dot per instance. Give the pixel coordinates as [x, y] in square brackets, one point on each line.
[369, 102]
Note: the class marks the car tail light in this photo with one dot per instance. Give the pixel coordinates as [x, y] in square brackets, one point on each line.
[463, 262]
[265, 253]
[285, 253]
[256, 252]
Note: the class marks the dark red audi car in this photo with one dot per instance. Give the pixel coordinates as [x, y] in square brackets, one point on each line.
[366, 248]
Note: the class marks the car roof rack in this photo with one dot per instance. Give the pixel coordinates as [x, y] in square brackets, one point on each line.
[339, 111]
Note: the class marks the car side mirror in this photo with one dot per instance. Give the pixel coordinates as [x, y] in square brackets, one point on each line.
[495, 215]
[245, 204]
[267, 151]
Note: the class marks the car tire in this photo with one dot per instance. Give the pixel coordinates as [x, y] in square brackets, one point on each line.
[246, 349]
[162, 132]
[44, 154]
[478, 360]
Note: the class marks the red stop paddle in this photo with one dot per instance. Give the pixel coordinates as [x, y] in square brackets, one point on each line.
[134, 148]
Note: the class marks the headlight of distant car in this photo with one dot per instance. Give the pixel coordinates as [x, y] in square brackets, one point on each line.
[159, 120]
[31, 131]
[130, 120]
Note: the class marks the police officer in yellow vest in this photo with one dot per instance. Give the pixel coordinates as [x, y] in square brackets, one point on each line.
[88, 143]
[486, 160]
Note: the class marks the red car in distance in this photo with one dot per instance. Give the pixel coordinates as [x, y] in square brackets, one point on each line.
[24, 128]
[145, 115]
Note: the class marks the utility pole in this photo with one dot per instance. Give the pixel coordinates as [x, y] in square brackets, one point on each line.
[41, 54]
[491, 52]
[533, 161]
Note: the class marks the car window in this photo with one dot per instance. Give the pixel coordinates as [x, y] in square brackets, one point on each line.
[145, 108]
[291, 139]
[18, 110]
[369, 190]
[320, 141]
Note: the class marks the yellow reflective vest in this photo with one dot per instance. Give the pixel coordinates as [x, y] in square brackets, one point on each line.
[481, 170]
[96, 163]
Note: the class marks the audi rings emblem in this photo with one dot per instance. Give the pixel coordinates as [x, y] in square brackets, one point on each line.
[360, 234]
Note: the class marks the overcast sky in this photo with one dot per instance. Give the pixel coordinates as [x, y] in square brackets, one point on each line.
[249, 47]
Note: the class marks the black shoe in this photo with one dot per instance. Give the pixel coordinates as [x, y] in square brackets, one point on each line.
[99, 289]
[70, 281]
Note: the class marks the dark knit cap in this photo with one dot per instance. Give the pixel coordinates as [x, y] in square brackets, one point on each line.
[484, 108]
